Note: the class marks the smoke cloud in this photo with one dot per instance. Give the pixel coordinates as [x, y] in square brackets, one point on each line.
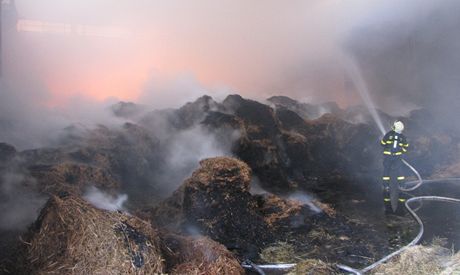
[26, 122]
[409, 55]
[163, 54]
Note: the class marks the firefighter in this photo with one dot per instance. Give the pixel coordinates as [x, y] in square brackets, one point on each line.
[395, 146]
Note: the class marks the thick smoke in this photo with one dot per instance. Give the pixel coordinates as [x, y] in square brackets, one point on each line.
[26, 122]
[408, 51]
[173, 51]
[409, 55]
[252, 48]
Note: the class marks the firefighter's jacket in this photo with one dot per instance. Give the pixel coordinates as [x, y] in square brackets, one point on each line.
[394, 144]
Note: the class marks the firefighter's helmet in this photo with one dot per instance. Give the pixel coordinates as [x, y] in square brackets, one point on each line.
[398, 127]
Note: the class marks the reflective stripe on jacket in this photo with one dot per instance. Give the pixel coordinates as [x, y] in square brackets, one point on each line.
[394, 144]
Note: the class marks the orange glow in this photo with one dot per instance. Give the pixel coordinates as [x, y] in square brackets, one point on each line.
[101, 49]
[98, 86]
[125, 77]
[96, 63]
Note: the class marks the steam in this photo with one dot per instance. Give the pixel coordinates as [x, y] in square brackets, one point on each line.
[184, 150]
[255, 187]
[305, 199]
[105, 201]
[192, 145]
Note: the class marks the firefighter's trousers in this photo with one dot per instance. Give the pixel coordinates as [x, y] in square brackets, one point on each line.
[392, 172]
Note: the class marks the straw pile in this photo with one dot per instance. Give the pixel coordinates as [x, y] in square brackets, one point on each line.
[72, 237]
[215, 201]
[278, 211]
[423, 260]
[314, 267]
[281, 252]
[71, 177]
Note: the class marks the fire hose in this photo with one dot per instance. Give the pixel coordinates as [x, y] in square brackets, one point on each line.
[415, 184]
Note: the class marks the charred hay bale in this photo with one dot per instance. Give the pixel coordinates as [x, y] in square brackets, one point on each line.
[278, 212]
[216, 120]
[215, 201]
[201, 255]
[72, 237]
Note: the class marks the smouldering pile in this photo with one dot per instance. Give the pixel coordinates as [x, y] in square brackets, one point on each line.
[72, 237]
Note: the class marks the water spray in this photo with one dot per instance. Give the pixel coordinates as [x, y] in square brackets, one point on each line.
[362, 89]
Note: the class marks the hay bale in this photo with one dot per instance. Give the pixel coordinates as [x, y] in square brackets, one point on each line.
[222, 171]
[215, 201]
[187, 255]
[314, 267]
[71, 177]
[281, 252]
[452, 266]
[423, 260]
[72, 237]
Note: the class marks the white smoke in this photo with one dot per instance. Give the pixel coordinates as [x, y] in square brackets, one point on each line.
[255, 187]
[397, 40]
[105, 201]
[190, 146]
[26, 123]
[306, 199]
